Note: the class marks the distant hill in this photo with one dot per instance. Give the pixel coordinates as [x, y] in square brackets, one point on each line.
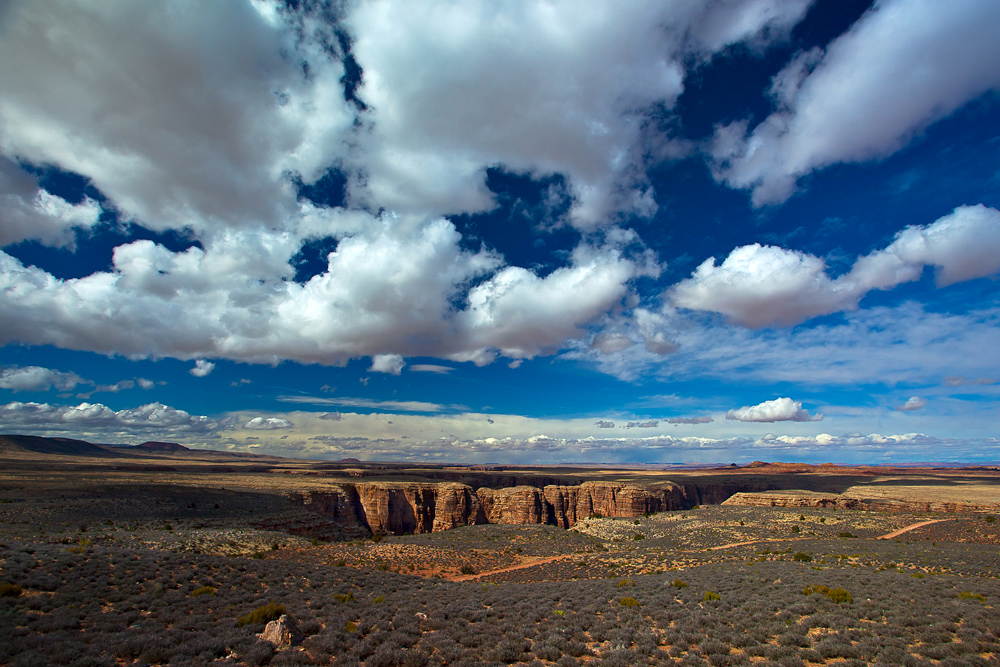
[39, 445]
[155, 446]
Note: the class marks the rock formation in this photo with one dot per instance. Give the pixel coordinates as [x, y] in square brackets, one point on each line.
[856, 501]
[282, 633]
[403, 508]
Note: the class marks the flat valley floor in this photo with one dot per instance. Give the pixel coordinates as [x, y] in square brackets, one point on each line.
[97, 569]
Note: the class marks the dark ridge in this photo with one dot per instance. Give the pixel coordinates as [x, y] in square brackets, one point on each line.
[155, 446]
[40, 445]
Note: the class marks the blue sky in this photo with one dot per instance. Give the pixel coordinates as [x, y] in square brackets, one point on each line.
[535, 232]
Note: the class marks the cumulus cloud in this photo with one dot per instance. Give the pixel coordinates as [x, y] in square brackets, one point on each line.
[912, 403]
[202, 368]
[267, 424]
[205, 120]
[189, 122]
[145, 384]
[919, 64]
[777, 410]
[30, 212]
[604, 424]
[569, 101]
[95, 418]
[387, 363]
[652, 423]
[759, 286]
[37, 378]
[690, 420]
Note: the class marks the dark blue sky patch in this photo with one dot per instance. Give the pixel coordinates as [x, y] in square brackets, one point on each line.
[329, 190]
[526, 226]
[311, 259]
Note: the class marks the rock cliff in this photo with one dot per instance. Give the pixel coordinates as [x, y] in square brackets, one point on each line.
[402, 508]
[857, 501]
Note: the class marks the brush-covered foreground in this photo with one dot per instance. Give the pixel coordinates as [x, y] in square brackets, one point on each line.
[115, 579]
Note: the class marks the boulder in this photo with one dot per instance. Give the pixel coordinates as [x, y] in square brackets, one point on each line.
[282, 633]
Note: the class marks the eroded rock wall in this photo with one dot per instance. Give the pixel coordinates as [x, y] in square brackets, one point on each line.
[403, 508]
[845, 502]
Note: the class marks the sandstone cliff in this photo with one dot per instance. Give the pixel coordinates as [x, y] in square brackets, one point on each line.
[854, 500]
[402, 508]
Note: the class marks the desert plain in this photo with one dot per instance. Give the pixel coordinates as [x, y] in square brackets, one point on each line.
[157, 555]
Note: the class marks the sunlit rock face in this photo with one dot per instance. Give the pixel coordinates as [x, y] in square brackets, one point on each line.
[403, 508]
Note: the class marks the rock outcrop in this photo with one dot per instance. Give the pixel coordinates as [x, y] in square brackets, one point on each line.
[282, 633]
[856, 501]
[403, 508]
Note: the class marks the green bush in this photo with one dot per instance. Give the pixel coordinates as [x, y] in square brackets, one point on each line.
[638, 536]
[677, 583]
[263, 614]
[344, 597]
[802, 557]
[990, 518]
[629, 602]
[467, 569]
[846, 534]
[625, 583]
[710, 596]
[10, 591]
[838, 595]
[796, 529]
[350, 626]
[969, 595]
[204, 590]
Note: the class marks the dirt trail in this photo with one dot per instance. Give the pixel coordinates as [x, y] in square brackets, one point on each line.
[906, 529]
[520, 566]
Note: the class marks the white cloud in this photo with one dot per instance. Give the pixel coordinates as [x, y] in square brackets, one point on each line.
[912, 403]
[431, 368]
[198, 120]
[777, 410]
[202, 368]
[959, 381]
[759, 286]
[37, 378]
[186, 116]
[267, 424]
[962, 245]
[568, 88]
[690, 420]
[609, 343]
[95, 419]
[30, 212]
[145, 384]
[902, 66]
[387, 363]
[406, 406]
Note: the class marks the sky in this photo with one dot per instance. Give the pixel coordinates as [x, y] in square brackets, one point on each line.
[520, 232]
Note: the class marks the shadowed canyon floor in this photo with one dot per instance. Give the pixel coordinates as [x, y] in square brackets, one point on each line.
[153, 557]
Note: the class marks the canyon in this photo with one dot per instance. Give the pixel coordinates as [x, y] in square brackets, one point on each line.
[423, 507]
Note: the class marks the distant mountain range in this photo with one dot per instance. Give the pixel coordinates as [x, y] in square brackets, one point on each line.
[12, 443]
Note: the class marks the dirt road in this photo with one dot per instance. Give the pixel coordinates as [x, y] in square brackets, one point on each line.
[906, 529]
